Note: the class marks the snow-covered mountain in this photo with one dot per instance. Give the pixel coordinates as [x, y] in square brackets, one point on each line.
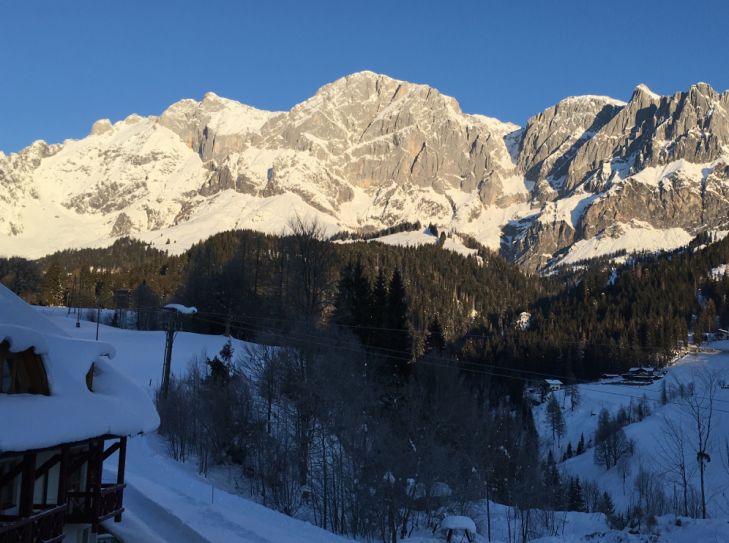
[587, 176]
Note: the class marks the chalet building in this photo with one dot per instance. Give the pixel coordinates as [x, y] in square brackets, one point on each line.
[65, 413]
[552, 385]
[642, 375]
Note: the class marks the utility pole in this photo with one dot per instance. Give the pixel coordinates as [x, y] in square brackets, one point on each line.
[78, 304]
[170, 338]
[71, 294]
[99, 286]
[173, 310]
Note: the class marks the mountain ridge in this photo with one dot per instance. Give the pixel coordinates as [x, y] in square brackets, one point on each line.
[368, 151]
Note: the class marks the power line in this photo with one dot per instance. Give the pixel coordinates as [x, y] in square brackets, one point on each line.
[506, 372]
[495, 371]
[256, 318]
[247, 317]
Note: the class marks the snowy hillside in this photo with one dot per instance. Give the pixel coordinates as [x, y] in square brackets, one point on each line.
[654, 449]
[169, 501]
[425, 237]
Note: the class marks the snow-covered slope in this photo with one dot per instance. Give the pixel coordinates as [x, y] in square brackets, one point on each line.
[425, 237]
[168, 501]
[649, 435]
[369, 151]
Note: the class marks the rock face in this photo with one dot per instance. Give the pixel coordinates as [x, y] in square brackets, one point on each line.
[586, 176]
[553, 137]
[657, 161]
[653, 130]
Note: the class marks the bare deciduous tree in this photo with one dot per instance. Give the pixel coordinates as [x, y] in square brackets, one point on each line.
[700, 407]
[312, 264]
[672, 448]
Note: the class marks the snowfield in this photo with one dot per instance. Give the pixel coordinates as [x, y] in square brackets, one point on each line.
[168, 501]
[648, 435]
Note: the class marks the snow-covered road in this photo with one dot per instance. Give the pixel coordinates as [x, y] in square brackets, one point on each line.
[147, 522]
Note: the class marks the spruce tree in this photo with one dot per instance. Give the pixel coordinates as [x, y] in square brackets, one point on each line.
[552, 482]
[53, 284]
[554, 416]
[378, 310]
[361, 303]
[605, 505]
[434, 341]
[576, 501]
[343, 313]
[398, 346]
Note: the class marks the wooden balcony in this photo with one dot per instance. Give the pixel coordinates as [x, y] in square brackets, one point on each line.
[95, 506]
[43, 527]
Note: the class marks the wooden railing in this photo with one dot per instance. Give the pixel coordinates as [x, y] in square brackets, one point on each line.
[94, 506]
[43, 527]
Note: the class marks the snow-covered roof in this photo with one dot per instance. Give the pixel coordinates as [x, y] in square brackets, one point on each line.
[647, 369]
[71, 412]
[181, 309]
[553, 382]
[458, 523]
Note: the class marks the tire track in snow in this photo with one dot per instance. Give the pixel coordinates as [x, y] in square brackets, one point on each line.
[157, 519]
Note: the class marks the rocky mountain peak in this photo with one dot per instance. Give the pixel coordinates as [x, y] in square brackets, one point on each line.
[210, 96]
[369, 151]
[379, 90]
[643, 93]
[553, 137]
[214, 127]
[652, 130]
[101, 126]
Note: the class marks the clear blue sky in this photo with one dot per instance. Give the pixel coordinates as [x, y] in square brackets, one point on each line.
[66, 64]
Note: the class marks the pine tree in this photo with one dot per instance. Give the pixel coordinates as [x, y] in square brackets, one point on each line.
[552, 482]
[434, 341]
[344, 302]
[378, 310]
[53, 284]
[398, 335]
[353, 306]
[221, 365]
[226, 353]
[575, 499]
[574, 393]
[361, 302]
[605, 505]
[580, 445]
[554, 416]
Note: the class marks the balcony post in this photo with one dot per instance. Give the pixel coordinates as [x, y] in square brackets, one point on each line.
[97, 461]
[63, 475]
[27, 485]
[120, 469]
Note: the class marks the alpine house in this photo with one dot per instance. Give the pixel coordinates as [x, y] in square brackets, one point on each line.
[64, 412]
